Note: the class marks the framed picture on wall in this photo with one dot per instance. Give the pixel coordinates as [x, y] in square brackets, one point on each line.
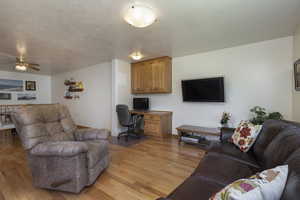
[26, 97]
[8, 85]
[30, 85]
[5, 96]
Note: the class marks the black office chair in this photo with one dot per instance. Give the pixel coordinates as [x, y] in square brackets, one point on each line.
[131, 122]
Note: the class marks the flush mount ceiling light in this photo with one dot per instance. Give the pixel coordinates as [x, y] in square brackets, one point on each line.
[136, 55]
[140, 16]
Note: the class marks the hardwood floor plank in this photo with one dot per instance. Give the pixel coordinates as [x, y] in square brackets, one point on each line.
[144, 171]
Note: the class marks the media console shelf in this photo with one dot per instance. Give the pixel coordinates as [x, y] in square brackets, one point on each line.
[198, 130]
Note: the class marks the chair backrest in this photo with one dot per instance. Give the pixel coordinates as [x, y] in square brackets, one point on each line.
[41, 123]
[123, 114]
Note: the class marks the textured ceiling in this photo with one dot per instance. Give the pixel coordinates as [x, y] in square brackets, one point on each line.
[69, 34]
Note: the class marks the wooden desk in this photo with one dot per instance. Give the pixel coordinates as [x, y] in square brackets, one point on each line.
[156, 123]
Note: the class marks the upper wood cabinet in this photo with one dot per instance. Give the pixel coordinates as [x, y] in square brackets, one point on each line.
[152, 76]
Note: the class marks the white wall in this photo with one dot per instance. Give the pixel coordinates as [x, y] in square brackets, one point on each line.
[93, 109]
[256, 74]
[43, 90]
[296, 94]
[121, 90]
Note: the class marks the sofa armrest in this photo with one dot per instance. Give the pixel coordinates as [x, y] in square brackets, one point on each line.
[64, 149]
[91, 134]
[226, 134]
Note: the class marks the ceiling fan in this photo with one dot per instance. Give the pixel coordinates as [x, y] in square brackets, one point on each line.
[22, 65]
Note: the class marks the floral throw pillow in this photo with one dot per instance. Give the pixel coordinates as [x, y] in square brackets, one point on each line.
[245, 135]
[268, 184]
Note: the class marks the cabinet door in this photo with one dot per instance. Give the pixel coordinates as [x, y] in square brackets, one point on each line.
[159, 73]
[161, 70]
[153, 76]
[137, 82]
[152, 127]
[147, 77]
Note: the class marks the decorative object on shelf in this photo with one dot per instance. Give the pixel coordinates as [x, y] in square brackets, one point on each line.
[72, 89]
[260, 115]
[5, 96]
[26, 96]
[297, 75]
[11, 85]
[30, 85]
[225, 119]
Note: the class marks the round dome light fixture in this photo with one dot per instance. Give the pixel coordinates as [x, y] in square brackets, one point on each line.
[140, 16]
[136, 55]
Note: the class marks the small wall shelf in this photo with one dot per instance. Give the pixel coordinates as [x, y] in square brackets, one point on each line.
[73, 88]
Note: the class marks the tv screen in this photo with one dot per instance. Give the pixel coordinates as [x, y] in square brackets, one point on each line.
[203, 90]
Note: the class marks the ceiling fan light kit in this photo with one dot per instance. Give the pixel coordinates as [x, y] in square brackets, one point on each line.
[22, 68]
[140, 16]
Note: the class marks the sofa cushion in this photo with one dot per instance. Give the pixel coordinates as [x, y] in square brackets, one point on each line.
[281, 147]
[222, 170]
[268, 184]
[232, 152]
[245, 135]
[195, 188]
[269, 131]
[96, 151]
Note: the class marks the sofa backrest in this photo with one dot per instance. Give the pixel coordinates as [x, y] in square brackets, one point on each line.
[292, 187]
[282, 146]
[40, 123]
[269, 131]
[279, 144]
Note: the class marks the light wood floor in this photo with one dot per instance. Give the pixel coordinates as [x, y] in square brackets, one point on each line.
[144, 171]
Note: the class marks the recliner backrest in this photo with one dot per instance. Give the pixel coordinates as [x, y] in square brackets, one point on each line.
[41, 123]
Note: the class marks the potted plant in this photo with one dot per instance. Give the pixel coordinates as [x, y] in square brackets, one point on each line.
[225, 118]
[260, 115]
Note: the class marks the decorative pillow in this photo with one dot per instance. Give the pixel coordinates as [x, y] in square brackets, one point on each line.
[245, 135]
[267, 185]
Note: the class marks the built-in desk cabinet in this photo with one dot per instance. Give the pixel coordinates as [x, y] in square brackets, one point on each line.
[152, 76]
[156, 123]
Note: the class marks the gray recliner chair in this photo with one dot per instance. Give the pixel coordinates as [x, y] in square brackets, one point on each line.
[60, 156]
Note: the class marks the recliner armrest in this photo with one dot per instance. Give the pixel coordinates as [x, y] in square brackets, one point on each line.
[226, 133]
[59, 149]
[91, 134]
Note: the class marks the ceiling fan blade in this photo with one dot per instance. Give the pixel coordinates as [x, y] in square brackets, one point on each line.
[34, 67]
[33, 64]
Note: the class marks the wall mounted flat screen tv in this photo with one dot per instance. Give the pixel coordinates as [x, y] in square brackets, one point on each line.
[203, 90]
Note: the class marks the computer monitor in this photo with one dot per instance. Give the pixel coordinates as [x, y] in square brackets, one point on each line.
[141, 103]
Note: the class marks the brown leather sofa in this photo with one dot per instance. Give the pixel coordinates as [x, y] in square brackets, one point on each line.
[277, 144]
